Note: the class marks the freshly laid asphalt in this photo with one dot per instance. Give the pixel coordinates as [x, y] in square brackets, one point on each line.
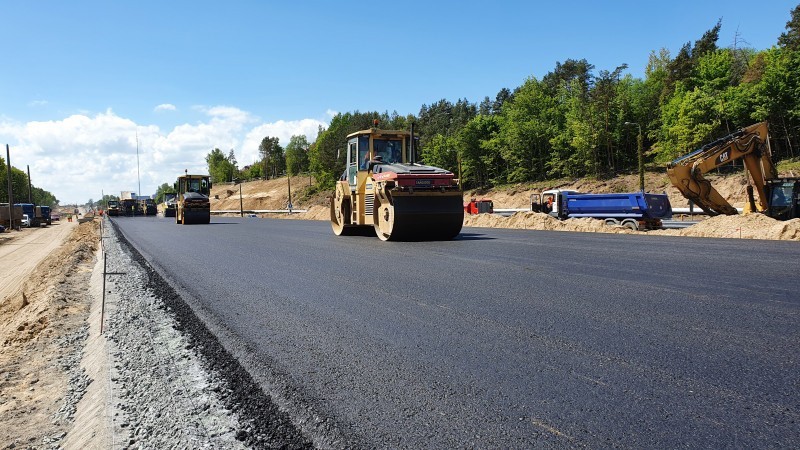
[505, 338]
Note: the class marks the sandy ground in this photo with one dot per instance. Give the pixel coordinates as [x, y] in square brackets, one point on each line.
[273, 194]
[43, 316]
[749, 226]
[21, 251]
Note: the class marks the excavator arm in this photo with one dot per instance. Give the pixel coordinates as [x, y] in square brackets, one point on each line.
[750, 144]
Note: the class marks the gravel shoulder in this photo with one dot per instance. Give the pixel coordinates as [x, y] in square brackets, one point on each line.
[155, 377]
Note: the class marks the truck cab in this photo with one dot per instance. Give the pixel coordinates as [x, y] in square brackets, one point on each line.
[549, 201]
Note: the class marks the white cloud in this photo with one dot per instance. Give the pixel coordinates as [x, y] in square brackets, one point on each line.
[165, 107]
[283, 130]
[79, 156]
[36, 103]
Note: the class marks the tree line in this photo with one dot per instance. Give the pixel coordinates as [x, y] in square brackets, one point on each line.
[19, 188]
[577, 121]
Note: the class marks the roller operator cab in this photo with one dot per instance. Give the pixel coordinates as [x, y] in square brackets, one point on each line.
[192, 203]
[385, 190]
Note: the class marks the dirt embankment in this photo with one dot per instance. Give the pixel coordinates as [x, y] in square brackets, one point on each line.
[750, 226]
[273, 194]
[42, 327]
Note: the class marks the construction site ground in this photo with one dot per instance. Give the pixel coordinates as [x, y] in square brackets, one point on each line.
[45, 303]
[273, 195]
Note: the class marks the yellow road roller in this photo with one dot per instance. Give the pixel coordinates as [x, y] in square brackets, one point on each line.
[192, 203]
[383, 188]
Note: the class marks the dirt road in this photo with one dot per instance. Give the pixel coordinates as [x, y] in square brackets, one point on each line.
[22, 251]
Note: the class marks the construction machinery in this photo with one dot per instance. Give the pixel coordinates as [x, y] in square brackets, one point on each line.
[633, 210]
[169, 204]
[482, 206]
[113, 208]
[385, 189]
[777, 197]
[192, 201]
[148, 206]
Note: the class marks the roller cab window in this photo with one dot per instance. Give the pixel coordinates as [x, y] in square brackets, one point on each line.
[391, 151]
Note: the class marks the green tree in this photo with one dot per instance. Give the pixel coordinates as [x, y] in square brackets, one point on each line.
[297, 154]
[778, 99]
[790, 39]
[165, 188]
[482, 163]
[20, 186]
[219, 167]
[327, 155]
[272, 157]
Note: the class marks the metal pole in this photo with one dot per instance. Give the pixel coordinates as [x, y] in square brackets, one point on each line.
[10, 194]
[30, 196]
[411, 149]
[641, 159]
[460, 183]
[138, 178]
[289, 180]
[103, 303]
[241, 205]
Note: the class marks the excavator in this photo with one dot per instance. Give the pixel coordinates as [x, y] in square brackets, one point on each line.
[778, 198]
[384, 189]
[192, 202]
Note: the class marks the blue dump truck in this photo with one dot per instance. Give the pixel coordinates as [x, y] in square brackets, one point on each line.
[34, 213]
[46, 215]
[634, 210]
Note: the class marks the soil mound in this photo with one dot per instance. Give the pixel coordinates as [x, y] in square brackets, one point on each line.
[540, 221]
[744, 226]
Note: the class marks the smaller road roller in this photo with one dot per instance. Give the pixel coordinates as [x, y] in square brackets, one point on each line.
[192, 203]
[384, 189]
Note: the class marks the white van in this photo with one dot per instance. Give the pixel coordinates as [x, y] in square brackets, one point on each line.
[26, 221]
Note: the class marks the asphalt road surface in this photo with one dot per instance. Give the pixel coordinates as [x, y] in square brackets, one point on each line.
[507, 338]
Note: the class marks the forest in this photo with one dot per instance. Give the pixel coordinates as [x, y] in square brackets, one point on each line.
[578, 121]
[19, 187]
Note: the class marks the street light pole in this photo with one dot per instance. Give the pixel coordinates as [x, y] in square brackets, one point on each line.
[289, 181]
[641, 156]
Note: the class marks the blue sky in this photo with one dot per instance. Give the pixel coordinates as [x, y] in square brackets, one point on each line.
[80, 80]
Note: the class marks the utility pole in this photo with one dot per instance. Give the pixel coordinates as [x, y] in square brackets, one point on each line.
[10, 194]
[289, 181]
[30, 197]
[139, 192]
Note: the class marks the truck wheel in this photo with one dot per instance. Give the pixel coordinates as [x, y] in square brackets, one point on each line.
[630, 224]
